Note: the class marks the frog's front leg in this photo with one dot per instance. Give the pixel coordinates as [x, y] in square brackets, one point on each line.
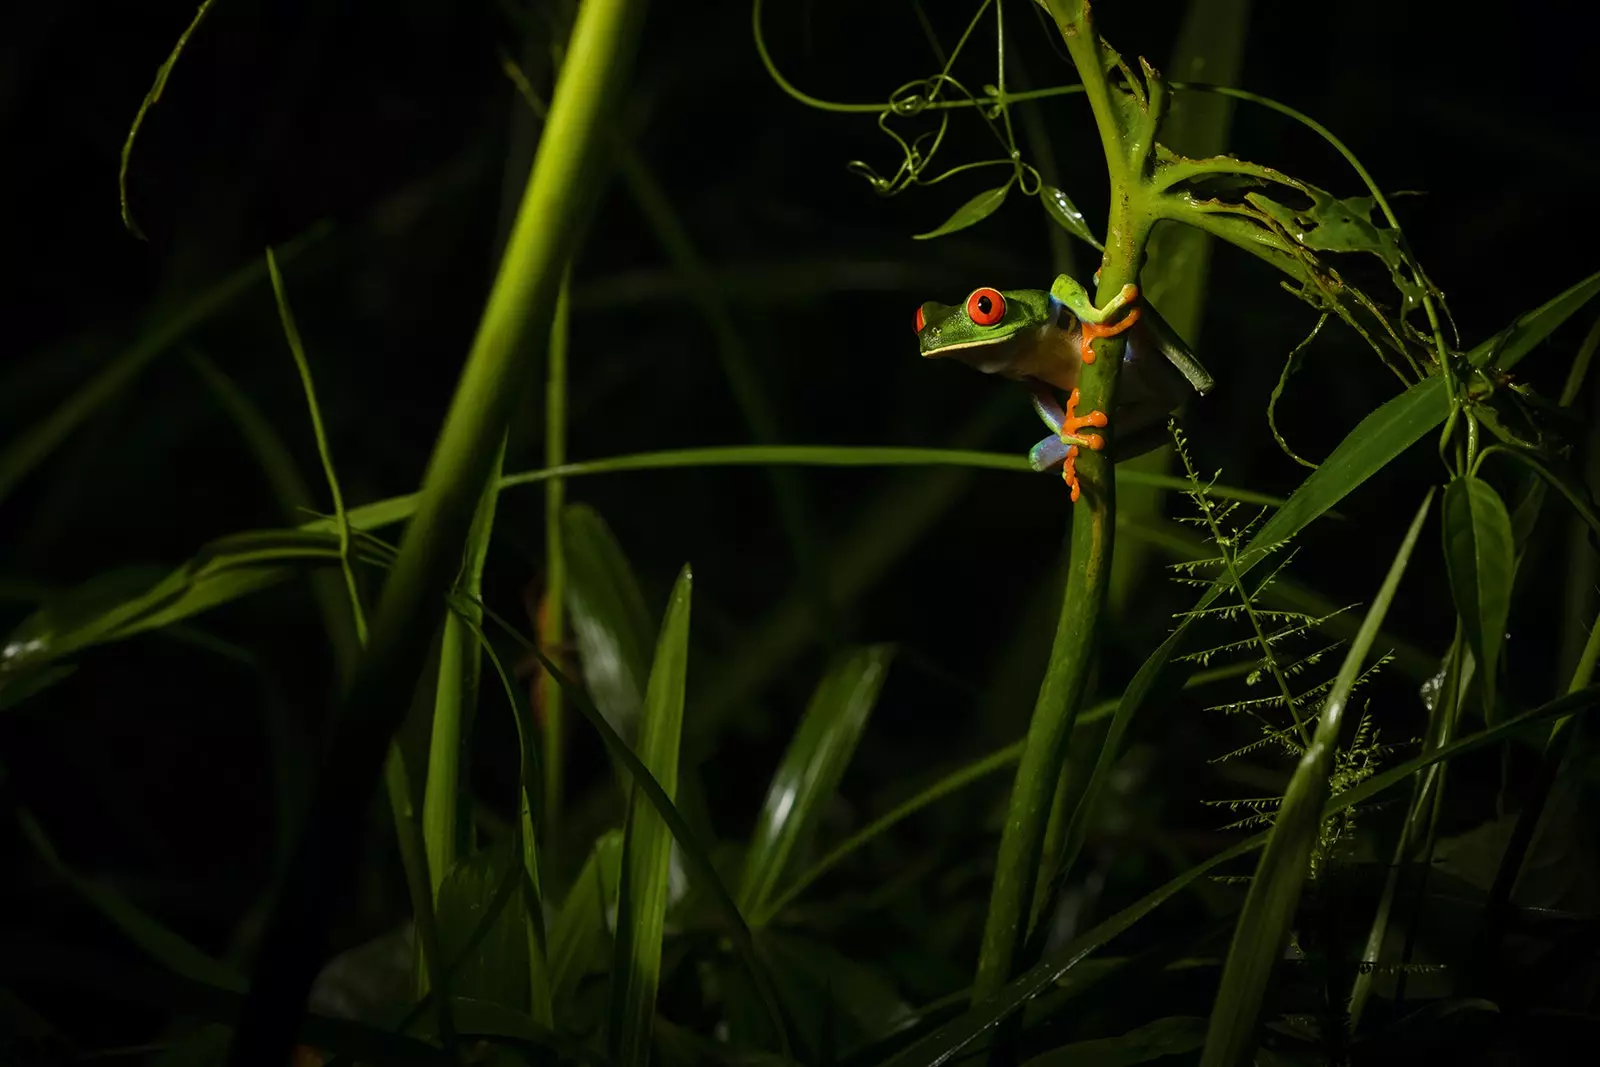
[1092, 320]
[1066, 424]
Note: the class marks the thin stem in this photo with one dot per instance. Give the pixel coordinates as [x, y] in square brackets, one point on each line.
[553, 618]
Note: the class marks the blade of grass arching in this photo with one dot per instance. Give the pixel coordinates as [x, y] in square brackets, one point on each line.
[160, 943]
[22, 455]
[1210, 44]
[694, 853]
[1269, 906]
[446, 815]
[562, 189]
[809, 773]
[950, 1039]
[163, 72]
[396, 778]
[554, 631]
[581, 928]
[609, 621]
[294, 498]
[381, 513]
[1376, 441]
[647, 843]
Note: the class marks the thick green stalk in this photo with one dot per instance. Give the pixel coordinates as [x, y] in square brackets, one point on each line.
[561, 193]
[1093, 522]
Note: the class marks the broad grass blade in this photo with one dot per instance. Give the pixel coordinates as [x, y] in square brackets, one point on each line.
[582, 928]
[609, 620]
[1481, 561]
[496, 969]
[809, 773]
[647, 843]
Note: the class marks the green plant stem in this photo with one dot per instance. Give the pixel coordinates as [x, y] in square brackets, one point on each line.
[562, 189]
[1061, 693]
[554, 621]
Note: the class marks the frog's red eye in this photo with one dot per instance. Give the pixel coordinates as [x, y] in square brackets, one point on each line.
[920, 322]
[986, 307]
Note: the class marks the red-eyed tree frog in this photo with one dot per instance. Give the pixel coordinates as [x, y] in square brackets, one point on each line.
[1042, 338]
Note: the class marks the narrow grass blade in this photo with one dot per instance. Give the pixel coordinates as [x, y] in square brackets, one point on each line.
[809, 773]
[294, 497]
[582, 928]
[609, 620]
[20, 457]
[694, 853]
[1508, 348]
[1171, 1036]
[1269, 906]
[1481, 561]
[950, 1039]
[446, 810]
[163, 72]
[382, 513]
[647, 843]
[160, 943]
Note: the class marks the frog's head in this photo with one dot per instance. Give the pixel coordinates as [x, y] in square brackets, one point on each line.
[989, 330]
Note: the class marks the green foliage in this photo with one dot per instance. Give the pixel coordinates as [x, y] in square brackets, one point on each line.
[784, 875]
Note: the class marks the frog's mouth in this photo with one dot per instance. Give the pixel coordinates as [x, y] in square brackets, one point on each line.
[987, 357]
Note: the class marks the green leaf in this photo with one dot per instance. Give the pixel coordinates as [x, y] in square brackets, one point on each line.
[609, 619]
[809, 773]
[1481, 559]
[497, 968]
[1507, 348]
[694, 853]
[582, 928]
[1334, 225]
[972, 212]
[950, 1039]
[647, 842]
[498, 1024]
[1171, 1036]
[1263, 925]
[127, 601]
[1065, 213]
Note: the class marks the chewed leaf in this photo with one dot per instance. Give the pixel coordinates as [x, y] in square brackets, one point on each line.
[1066, 214]
[1334, 225]
[972, 212]
[1481, 560]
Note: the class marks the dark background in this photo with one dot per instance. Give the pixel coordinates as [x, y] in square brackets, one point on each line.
[152, 767]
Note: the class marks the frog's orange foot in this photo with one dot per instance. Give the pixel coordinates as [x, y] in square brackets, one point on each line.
[1090, 331]
[1069, 471]
[1070, 427]
[1073, 422]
